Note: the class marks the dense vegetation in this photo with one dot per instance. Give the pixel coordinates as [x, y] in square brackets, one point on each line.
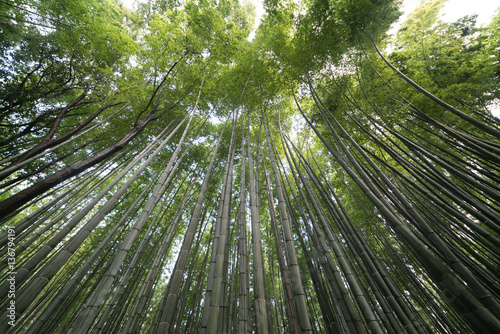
[162, 173]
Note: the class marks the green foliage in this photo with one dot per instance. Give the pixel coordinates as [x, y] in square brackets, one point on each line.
[454, 59]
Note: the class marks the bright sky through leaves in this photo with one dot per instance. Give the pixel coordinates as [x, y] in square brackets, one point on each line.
[453, 10]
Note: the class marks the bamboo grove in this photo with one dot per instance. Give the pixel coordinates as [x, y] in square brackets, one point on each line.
[161, 173]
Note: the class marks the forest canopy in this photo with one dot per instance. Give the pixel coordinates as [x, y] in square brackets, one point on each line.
[162, 172]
